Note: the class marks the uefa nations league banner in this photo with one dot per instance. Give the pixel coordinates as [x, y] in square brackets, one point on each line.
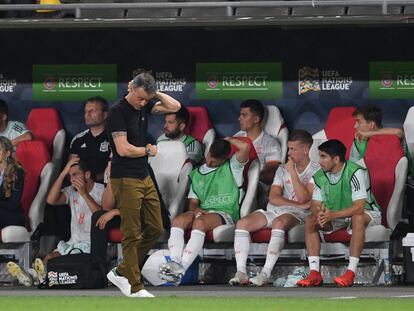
[391, 80]
[74, 82]
[239, 81]
[304, 72]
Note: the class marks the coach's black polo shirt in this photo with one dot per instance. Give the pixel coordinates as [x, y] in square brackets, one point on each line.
[124, 118]
[93, 151]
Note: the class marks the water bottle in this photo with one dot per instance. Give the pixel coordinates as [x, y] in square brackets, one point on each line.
[387, 272]
[252, 269]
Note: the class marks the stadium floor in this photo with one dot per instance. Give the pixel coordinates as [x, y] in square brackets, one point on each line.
[327, 291]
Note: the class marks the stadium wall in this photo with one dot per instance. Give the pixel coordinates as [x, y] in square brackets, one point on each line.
[305, 72]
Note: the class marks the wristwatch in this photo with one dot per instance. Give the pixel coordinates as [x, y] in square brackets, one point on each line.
[148, 151]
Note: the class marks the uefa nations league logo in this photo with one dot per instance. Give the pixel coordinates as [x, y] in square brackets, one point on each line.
[308, 80]
[387, 80]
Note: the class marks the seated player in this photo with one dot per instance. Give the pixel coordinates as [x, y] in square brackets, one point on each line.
[84, 198]
[341, 199]
[215, 197]
[174, 127]
[267, 147]
[289, 203]
[368, 123]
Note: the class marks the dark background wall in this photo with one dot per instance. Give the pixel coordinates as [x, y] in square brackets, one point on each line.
[345, 50]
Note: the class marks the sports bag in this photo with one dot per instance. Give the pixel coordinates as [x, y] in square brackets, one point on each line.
[75, 271]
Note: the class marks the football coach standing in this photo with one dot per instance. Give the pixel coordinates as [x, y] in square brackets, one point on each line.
[135, 194]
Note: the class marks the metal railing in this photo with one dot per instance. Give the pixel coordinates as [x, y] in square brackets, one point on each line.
[229, 5]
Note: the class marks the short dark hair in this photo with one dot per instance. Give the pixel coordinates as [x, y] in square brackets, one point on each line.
[139, 71]
[100, 100]
[4, 109]
[255, 106]
[220, 148]
[302, 136]
[182, 115]
[334, 148]
[371, 113]
[145, 80]
[82, 166]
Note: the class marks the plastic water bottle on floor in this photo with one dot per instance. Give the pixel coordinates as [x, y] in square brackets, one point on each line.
[387, 272]
[252, 269]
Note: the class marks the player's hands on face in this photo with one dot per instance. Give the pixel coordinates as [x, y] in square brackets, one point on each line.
[290, 165]
[80, 185]
[363, 135]
[69, 164]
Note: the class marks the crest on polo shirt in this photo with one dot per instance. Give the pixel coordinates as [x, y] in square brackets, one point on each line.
[104, 146]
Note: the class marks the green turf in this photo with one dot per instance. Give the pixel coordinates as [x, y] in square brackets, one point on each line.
[200, 303]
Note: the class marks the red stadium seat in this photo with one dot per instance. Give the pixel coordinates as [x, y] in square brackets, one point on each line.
[46, 126]
[33, 156]
[200, 126]
[339, 125]
[263, 236]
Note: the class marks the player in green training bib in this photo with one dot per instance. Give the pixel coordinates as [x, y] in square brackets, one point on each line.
[341, 199]
[174, 127]
[368, 123]
[214, 199]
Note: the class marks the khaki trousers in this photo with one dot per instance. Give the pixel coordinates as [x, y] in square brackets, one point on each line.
[141, 224]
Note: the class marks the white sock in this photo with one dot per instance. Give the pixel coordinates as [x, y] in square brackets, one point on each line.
[241, 248]
[193, 248]
[176, 244]
[353, 263]
[314, 263]
[275, 247]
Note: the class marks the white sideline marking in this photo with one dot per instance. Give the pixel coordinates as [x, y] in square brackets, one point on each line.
[344, 297]
[404, 296]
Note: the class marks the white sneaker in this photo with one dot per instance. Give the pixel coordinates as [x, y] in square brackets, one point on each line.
[171, 272]
[298, 274]
[18, 273]
[259, 280]
[280, 282]
[240, 278]
[141, 294]
[119, 281]
[40, 270]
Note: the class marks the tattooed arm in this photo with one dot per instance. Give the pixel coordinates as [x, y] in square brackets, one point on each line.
[125, 149]
[165, 104]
